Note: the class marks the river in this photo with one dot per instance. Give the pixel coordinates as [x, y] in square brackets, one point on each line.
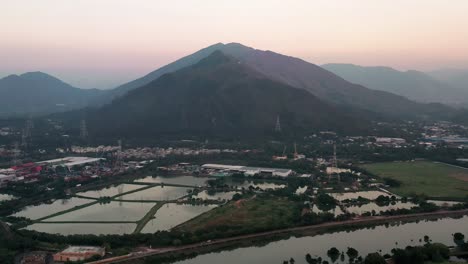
[364, 240]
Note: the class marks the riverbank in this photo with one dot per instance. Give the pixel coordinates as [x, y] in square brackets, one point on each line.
[217, 244]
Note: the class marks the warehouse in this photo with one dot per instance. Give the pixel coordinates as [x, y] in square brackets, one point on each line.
[79, 253]
[249, 171]
[70, 161]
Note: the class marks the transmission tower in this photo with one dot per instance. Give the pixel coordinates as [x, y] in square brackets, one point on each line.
[24, 138]
[278, 124]
[16, 152]
[26, 133]
[118, 161]
[83, 129]
[335, 162]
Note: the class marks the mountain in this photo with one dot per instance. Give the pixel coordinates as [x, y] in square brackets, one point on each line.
[415, 85]
[457, 78]
[219, 96]
[301, 74]
[39, 93]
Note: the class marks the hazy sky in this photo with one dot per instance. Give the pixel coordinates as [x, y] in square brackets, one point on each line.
[102, 43]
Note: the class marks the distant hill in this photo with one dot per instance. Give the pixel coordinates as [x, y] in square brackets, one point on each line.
[417, 86]
[219, 96]
[301, 74]
[457, 78]
[39, 93]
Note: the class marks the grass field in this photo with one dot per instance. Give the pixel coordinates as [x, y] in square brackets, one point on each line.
[433, 179]
[248, 214]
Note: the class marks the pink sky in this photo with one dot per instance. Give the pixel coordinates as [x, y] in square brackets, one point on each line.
[102, 43]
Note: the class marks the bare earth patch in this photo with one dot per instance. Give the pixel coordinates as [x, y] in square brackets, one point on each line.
[460, 176]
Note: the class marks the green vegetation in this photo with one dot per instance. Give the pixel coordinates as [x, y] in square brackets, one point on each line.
[433, 179]
[247, 215]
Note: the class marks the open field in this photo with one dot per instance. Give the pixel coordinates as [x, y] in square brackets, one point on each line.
[255, 213]
[433, 179]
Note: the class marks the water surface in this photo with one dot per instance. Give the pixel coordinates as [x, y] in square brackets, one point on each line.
[82, 229]
[365, 241]
[113, 211]
[371, 195]
[6, 197]
[157, 193]
[171, 215]
[186, 180]
[111, 191]
[204, 195]
[367, 208]
[38, 211]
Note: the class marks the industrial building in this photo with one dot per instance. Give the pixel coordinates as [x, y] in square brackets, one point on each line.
[249, 171]
[79, 253]
[70, 161]
[6, 178]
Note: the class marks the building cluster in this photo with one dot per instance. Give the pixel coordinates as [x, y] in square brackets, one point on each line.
[6, 131]
[154, 153]
[77, 168]
[452, 135]
[34, 257]
[98, 149]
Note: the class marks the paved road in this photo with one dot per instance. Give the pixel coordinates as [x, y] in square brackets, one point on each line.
[356, 221]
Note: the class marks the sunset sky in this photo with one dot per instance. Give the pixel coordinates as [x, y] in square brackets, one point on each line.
[103, 43]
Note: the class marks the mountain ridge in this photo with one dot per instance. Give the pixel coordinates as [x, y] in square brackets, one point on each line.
[301, 74]
[415, 85]
[36, 93]
[220, 97]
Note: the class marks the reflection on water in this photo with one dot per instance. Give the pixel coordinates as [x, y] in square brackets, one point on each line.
[42, 210]
[111, 191]
[157, 193]
[171, 215]
[443, 203]
[6, 197]
[365, 241]
[205, 195]
[187, 180]
[367, 208]
[335, 211]
[371, 195]
[113, 211]
[264, 185]
[81, 229]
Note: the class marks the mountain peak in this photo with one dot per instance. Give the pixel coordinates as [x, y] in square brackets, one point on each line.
[215, 58]
[38, 76]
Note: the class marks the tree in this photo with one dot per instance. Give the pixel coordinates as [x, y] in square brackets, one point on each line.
[352, 253]
[374, 258]
[458, 237]
[438, 252]
[333, 253]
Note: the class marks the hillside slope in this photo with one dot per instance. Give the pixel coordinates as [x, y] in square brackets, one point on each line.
[218, 97]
